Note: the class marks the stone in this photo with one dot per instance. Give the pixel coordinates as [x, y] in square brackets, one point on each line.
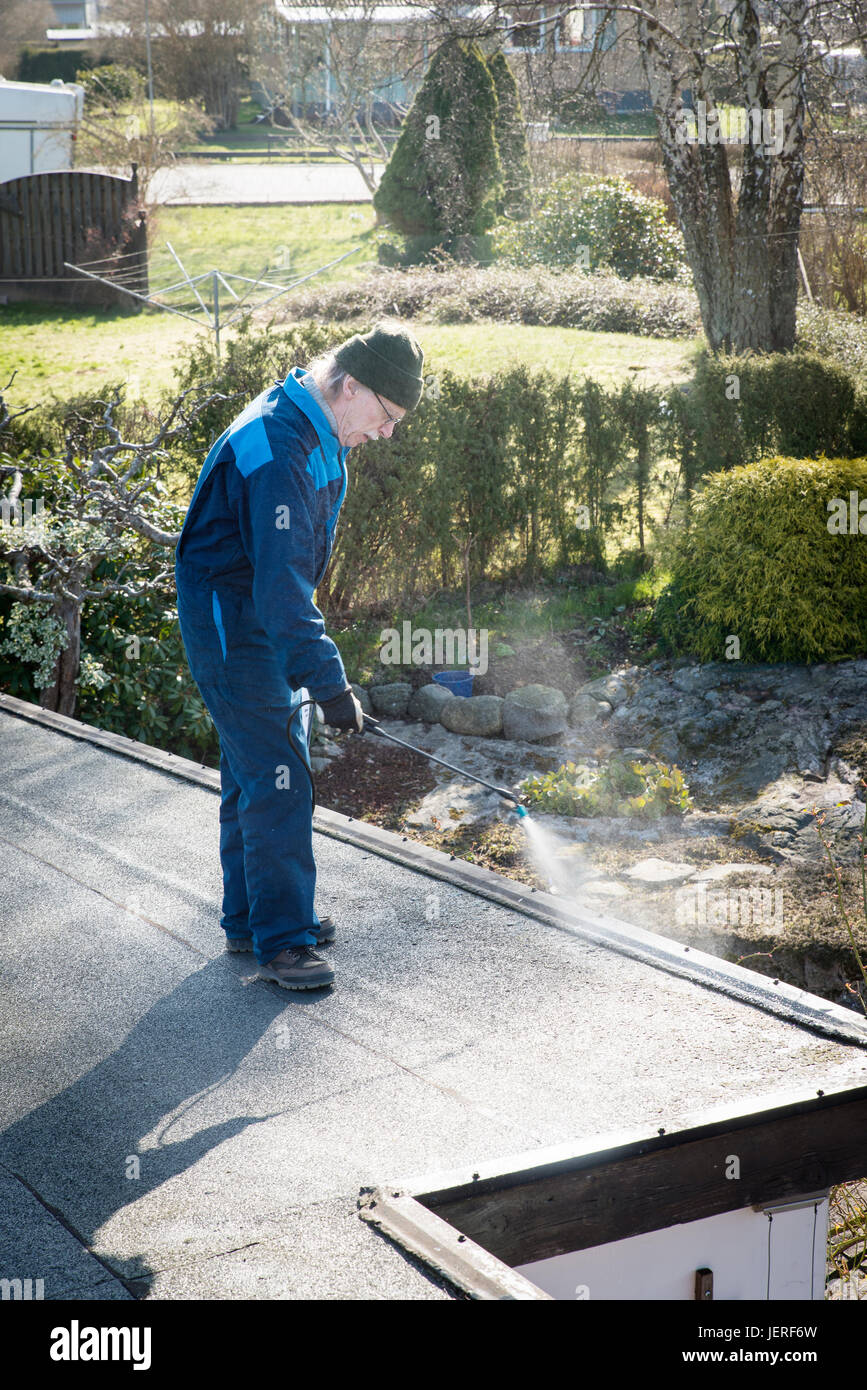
[428, 701]
[714, 872]
[659, 873]
[583, 709]
[391, 699]
[534, 712]
[603, 887]
[479, 714]
[614, 689]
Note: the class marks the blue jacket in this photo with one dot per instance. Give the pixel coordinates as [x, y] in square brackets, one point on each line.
[261, 522]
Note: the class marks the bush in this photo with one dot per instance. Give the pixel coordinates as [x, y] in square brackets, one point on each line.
[511, 141]
[109, 83]
[620, 788]
[759, 563]
[833, 333]
[792, 403]
[444, 176]
[44, 64]
[472, 294]
[607, 221]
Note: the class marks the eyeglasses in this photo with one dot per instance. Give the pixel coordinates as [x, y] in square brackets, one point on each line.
[389, 419]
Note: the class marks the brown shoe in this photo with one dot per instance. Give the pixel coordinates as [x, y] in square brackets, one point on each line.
[298, 967]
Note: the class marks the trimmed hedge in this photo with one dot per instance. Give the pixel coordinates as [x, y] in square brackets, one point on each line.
[758, 562]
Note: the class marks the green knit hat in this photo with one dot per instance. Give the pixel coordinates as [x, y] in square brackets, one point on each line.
[388, 360]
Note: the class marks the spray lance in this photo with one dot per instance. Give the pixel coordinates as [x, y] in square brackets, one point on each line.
[375, 727]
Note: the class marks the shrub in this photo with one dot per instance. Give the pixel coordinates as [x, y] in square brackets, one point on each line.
[620, 788]
[109, 83]
[759, 563]
[511, 140]
[444, 177]
[620, 229]
[744, 408]
[517, 294]
[833, 333]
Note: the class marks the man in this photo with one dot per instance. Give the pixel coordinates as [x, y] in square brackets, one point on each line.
[256, 541]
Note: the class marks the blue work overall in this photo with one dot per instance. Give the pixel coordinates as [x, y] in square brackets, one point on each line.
[255, 543]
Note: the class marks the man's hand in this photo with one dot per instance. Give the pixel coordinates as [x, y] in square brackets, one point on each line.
[343, 712]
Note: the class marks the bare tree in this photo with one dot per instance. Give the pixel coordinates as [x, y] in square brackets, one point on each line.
[738, 203]
[91, 534]
[340, 65]
[21, 22]
[200, 48]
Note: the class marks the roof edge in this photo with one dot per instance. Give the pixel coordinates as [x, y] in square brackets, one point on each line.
[785, 1001]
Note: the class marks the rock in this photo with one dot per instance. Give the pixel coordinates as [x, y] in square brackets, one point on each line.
[659, 873]
[363, 698]
[614, 689]
[583, 709]
[717, 871]
[603, 887]
[480, 714]
[391, 699]
[319, 764]
[428, 701]
[534, 712]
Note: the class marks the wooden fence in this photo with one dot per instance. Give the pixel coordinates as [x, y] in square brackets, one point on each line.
[71, 216]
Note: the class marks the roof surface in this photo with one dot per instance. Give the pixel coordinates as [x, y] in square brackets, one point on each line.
[460, 1029]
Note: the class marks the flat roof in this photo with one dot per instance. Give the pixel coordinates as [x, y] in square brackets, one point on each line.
[470, 1020]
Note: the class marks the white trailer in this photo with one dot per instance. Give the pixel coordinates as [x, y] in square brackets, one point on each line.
[38, 126]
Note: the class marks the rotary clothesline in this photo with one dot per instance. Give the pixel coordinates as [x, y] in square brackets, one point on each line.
[122, 277]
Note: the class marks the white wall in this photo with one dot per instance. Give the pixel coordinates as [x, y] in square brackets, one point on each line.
[735, 1246]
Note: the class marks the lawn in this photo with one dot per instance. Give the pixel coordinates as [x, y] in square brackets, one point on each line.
[65, 351]
[251, 240]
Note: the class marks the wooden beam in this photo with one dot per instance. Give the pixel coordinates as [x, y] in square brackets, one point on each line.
[448, 1251]
[665, 1180]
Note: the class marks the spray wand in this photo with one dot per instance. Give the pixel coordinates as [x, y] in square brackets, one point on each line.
[377, 728]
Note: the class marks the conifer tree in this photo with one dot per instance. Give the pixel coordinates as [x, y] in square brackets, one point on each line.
[443, 180]
[511, 136]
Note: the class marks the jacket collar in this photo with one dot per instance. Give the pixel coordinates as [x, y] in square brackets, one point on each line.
[309, 406]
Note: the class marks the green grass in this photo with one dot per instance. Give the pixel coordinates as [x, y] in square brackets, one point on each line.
[66, 351]
[250, 240]
[475, 348]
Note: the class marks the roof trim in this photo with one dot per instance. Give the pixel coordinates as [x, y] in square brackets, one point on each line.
[782, 1000]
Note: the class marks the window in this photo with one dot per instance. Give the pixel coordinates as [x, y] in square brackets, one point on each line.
[527, 36]
[576, 31]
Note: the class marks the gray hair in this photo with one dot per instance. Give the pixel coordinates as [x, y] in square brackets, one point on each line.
[328, 374]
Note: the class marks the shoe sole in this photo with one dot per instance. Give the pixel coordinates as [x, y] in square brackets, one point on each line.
[295, 984]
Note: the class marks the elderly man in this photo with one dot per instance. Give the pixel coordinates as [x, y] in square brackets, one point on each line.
[256, 541]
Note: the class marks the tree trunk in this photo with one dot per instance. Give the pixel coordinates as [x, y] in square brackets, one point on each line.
[62, 695]
[744, 263]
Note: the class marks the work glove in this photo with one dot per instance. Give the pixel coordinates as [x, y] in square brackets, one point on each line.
[343, 712]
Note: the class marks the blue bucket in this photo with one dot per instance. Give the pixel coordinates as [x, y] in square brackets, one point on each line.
[458, 682]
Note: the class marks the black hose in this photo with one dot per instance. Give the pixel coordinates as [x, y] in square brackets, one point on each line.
[297, 754]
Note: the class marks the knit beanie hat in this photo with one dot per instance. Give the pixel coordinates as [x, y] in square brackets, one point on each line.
[388, 360]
